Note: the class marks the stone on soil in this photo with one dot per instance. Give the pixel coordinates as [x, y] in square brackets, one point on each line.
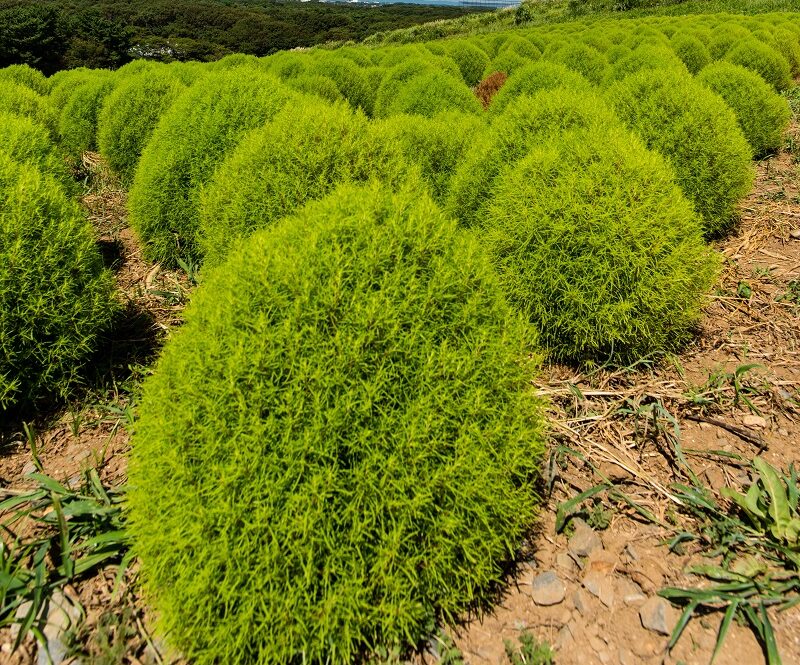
[658, 615]
[547, 589]
[584, 541]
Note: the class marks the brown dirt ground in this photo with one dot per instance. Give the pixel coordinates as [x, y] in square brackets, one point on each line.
[622, 447]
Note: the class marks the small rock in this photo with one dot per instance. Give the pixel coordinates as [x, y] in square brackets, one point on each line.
[596, 643]
[795, 234]
[6, 647]
[564, 638]
[28, 469]
[584, 541]
[625, 657]
[565, 562]
[61, 616]
[631, 552]
[721, 433]
[547, 589]
[754, 421]
[783, 431]
[601, 585]
[604, 657]
[657, 615]
[580, 601]
[630, 592]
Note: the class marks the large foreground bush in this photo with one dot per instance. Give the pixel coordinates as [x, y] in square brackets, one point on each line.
[28, 142]
[336, 450]
[697, 133]
[188, 144]
[20, 100]
[763, 114]
[597, 246]
[130, 114]
[55, 296]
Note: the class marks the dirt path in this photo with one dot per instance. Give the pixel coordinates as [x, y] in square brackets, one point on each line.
[608, 427]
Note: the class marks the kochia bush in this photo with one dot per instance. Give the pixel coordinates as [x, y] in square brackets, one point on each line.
[18, 99]
[691, 51]
[597, 246]
[763, 114]
[433, 92]
[27, 76]
[55, 295]
[190, 141]
[542, 75]
[77, 122]
[336, 451]
[307, 150]
[763, 60]
[697, 133]
[28, 142]
[130, 114]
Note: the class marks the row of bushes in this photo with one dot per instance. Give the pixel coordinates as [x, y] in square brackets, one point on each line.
[337, 451]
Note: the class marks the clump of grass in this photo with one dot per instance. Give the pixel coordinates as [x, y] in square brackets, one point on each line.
[763, 115]
[598, 248]
[763, 60]
[349, 78]
[55, 295]
[697, 133]
[529, 651]
[18, 99]
[185, 149]
[336, 449]
[130, 113]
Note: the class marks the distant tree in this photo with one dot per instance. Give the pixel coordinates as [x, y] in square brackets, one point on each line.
[33, 35]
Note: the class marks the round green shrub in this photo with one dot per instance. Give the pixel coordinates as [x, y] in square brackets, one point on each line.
[435, 145]
[697, 133]
[521, 47]
[55, 295]
[542, 75]
[129, 116]
[288, 64]
[597, 246]
[763, 115]
[396, 77]
[349, 78]
[316, 84]
[336, 450]
[526, 121]
[18, 99]
[471, 60]
[691, 51]
[763, 60]
[64, 82]
[583, 59]
[644, 58]
[77, 122]
[300, 156]
[433, 92]
[27, 142]
[786, 43]
[508, 63]
[27, 76]
[189, 142]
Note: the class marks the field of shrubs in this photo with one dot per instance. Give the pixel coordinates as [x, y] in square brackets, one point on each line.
[339, 450]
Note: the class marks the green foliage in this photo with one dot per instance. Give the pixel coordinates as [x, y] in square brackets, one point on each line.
[521, 47]
[471, 60]
[27, 76]
[763, 115]
[77, 122]
[435, 145]
[316, 84]
[63, 84]
[129, 116]
[55, 297]
[395, 78]
[691, 51]
[763, 60]
[433, 92]
[529, 652]
[542, 75]
[581, 58]
[525, 123]
[336, 450]
[643, 59]
[598, 248]
[349, 78]
[697, 133]
[27, 142]
[20, 100]
[300, 156]
[188, 144]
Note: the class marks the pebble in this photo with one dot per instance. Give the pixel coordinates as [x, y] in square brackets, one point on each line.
[754, 421]
[625, 657]
[601, 585]
[565, 562]
[29, 468]
[547, 589]
[783, 431]
[795, 234]
[61, 616]
[584, 541]
[580, 601]
[658, 615]
[630, 592]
